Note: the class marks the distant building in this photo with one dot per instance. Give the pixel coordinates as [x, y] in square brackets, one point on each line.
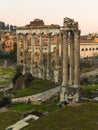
[88, 45]
[7, 40]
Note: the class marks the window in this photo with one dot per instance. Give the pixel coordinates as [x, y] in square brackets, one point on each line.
[86, 49]
[21, 61]
[82, 49]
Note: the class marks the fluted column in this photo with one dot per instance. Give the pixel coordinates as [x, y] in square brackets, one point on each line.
[63, 93]
[61, 49]
[32, 52]
[76, 64]
[76, 58]
[57, 59]
[18, 49]
[41, 56]
[41, 50]
[71, 73]
[48, 55]
[57, 49]
[24, 53]
[65, 59]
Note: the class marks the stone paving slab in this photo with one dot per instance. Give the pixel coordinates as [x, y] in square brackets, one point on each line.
[3, 109]
[19, 125]
[22, 123]
[31, 117]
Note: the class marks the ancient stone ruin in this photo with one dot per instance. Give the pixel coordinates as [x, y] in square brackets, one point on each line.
[71, 74]
[52, 52]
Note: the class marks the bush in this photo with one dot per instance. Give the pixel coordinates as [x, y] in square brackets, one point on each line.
[5, 101]
[17, 75]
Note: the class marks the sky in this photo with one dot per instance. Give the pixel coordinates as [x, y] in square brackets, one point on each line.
[21, 12]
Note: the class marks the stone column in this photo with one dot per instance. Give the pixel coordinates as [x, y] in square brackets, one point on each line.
[49, 56]
[41, 56]
[61, 61]
[71, 73]
[57, 49]
[32, 53]
[61, 49]
[63, 94]
[76, 64]
[57, 59]
[24, 53]
[18, 49]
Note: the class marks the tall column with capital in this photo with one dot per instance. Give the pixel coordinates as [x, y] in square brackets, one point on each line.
[49, 56]
[61, 61]
[41, 56]
[76, 63]
[61, 49]
[71, 73]
[57, 59]
[24, 53]
[18, 49]
[63, 94]
[32, 53]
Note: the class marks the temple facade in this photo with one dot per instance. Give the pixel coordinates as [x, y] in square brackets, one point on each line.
[52, 52]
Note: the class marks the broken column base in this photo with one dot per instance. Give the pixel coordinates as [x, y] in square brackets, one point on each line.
[69, 95]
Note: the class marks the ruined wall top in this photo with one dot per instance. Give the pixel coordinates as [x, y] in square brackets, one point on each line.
[69, 24]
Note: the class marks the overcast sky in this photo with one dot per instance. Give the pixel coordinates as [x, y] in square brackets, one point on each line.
[21, 12]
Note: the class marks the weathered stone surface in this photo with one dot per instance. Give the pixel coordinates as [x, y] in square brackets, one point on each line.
[3, 109]
[22, 123]
[23, 81]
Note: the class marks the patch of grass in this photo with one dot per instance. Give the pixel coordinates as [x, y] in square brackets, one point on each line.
[83, 117]
[6, 70]
[88, 91]
[1, 95]
[90, 88]
[49, 107]
[37, 86]
[6, 74]
[86, 70]
[8, 118]
[5, 82]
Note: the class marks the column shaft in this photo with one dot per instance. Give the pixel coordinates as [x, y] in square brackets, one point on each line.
[71, 74]
[56, 72]
[48, 56]
[32, 53]
[24, 54]
[76, 59]
[61, 49]
[57, 50]
[64, 91]
[41, 51]
[41, 57]
[18, 49]
[65, 59]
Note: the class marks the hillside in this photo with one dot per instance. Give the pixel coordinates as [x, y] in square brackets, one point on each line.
[82, 117]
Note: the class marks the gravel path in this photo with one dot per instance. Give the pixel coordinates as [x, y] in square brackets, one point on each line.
[38, 98]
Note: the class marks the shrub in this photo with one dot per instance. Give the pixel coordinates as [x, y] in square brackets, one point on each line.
[5, 101]
[17, 75]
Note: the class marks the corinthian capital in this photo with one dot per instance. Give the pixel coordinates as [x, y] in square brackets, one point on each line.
[77, 34]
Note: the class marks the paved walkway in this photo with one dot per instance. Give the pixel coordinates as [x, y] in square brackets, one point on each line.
[38, 98]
